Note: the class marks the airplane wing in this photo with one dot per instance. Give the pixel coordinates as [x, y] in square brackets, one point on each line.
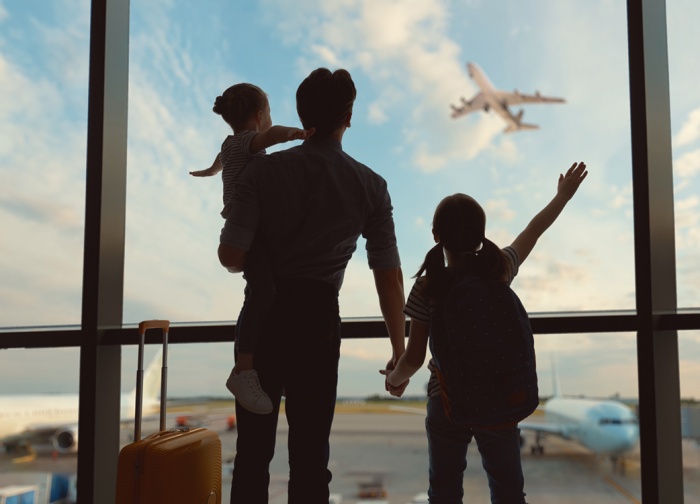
[466, 107]
[562, 430]
[517, 98]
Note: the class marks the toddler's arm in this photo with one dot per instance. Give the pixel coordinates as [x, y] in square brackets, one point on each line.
[276, 135]
[568, 184]
[208, 172]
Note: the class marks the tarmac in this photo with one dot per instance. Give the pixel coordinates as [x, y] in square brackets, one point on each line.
[389, 451]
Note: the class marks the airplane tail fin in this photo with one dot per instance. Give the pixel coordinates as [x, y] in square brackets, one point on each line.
[151, 380]
[516, 124]
[556, 387]
[522, 126]
[151, 383]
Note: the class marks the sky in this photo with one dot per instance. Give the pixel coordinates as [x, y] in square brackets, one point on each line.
[408, 59]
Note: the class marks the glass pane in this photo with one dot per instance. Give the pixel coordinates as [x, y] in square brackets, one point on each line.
[39, 421]
[685, 127]
[377, 439]
[689, 351]
[409, 65]
[43, 112]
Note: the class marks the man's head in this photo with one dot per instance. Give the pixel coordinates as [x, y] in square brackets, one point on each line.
[325, 99]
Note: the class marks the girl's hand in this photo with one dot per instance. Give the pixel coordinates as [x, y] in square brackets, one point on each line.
[568, 184]
[396, 391]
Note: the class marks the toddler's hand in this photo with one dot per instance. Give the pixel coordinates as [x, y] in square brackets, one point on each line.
[300, 134]
[207, 172]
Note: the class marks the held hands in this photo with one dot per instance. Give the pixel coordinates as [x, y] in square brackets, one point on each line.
[396, 391]
[568, 183]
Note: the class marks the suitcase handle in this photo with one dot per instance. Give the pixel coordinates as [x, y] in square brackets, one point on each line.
[164, 325]
[154, 324]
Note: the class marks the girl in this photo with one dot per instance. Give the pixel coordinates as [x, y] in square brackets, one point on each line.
[476, 268]
[246, 109]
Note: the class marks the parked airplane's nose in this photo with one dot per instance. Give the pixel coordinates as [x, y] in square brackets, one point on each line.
[623, 438]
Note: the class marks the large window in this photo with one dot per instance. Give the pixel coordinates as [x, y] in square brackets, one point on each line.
[685, 123]
[409, 65]
[43, 113]
[409, 62]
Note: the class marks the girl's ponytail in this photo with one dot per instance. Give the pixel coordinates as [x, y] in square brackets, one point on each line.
[436, 277]
[490, 262]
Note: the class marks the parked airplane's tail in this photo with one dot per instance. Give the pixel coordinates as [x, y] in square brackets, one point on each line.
[151, 385]
[556, 387]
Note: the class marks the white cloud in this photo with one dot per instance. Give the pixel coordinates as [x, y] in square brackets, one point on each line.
[690, 131]
[499, 210]
[405, 50]
[326, 55]
[377, 113]
[688, 165]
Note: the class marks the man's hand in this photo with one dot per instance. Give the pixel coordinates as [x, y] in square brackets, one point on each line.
[207, 172]
[231, 258]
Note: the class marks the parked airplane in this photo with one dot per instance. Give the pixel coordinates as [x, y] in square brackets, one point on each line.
[53, 418]
[490, 98]
[605, 427]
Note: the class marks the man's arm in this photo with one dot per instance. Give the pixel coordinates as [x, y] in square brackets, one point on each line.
[389, 285]
[276, 135]
[568, 184]
[231, 258]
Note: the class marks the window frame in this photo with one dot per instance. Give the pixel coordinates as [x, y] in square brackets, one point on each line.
[101, 334]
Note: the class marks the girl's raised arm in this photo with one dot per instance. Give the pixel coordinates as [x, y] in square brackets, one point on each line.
[568, 185]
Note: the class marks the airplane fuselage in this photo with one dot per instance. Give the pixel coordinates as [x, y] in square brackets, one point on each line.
[494, 99]
[22, 411]
[605, 427]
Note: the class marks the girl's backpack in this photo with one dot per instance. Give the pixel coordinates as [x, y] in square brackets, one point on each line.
[484, 351]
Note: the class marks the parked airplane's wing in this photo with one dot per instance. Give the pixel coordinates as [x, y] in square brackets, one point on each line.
[546, 428]
[516, 98]
[466, 107]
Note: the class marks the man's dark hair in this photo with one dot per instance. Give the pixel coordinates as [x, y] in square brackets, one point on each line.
[324, 100]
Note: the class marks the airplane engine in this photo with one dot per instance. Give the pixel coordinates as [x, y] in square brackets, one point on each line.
[66, 440]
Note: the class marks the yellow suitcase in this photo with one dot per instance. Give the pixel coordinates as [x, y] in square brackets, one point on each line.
[179, 466]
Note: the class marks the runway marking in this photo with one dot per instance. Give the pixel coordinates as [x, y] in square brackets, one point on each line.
[621, 489]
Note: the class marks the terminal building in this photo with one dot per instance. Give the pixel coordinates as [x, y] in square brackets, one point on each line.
[656, 320]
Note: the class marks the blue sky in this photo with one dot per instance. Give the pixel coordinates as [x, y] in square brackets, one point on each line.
[408, 62]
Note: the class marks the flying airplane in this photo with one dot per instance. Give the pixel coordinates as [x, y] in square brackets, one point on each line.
[490, 98]
[53, 418]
